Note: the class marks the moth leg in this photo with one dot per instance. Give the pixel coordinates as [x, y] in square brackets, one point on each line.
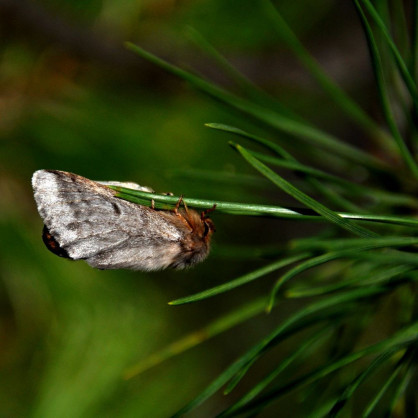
[186, 208]
[152, 204]
[204, 214]
[176, 208]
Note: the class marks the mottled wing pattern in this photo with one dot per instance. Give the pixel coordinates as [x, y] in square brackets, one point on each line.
[89, 222]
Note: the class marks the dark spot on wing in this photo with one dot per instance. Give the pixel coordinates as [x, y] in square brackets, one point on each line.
[116, 208]
[74, 226]
[77, 213]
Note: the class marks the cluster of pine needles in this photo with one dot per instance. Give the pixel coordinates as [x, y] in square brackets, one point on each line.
[369, 241]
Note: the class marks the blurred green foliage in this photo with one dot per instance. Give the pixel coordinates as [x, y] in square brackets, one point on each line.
[68, 331]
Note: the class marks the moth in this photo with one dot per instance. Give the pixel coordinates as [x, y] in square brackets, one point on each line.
[84, 220]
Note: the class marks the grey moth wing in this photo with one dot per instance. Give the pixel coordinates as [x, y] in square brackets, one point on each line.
[85, 220]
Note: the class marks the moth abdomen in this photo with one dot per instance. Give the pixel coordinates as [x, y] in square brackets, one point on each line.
[52, 244]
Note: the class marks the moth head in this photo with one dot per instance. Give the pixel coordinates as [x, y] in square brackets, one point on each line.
[201, 227]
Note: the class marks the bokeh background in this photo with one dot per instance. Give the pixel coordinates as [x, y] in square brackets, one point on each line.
[73, 98]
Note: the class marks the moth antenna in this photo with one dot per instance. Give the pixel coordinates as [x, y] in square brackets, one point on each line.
[204, 214]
